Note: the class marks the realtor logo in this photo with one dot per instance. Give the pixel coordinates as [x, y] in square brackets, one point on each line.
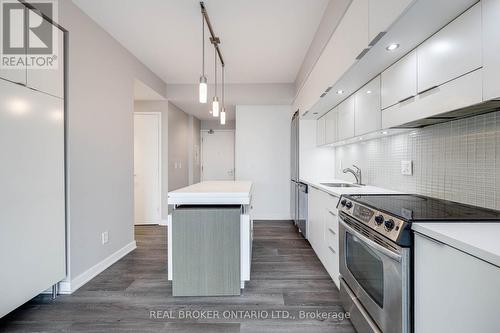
[28, 38]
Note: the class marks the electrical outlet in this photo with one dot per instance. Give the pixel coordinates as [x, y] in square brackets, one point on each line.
[407, 168]
[104, 237]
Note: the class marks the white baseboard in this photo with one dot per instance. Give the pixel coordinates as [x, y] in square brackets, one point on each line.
[68, 287]
[164, 222]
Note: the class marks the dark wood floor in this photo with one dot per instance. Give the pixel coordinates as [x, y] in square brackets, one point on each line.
[287, 278]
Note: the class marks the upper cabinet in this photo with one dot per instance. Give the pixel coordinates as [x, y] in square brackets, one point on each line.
[346, 116]
[47, 79]
[383, 13]
[347, 42]
[491, 49]
[50, 80]
[331, 127]
[453, 51]
[368, 116]
[399, 82]
[320, 131]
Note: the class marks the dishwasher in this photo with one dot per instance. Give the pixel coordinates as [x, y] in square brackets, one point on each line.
[302, 209]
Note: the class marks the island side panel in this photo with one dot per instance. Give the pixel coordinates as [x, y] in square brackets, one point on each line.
[206, 251]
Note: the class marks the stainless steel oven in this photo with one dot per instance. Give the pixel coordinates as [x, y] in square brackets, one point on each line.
[375, 274]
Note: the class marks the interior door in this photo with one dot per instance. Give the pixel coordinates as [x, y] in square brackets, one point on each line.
[147, 168]
[217, 155]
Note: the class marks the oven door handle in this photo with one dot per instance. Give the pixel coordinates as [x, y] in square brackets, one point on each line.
[368, 242]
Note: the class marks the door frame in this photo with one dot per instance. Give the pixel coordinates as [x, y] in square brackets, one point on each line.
[201, 150]
[160, 130]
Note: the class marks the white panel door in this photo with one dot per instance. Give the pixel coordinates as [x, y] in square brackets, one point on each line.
[453, 51]
[368, 115]
[399, 82]
[217, 155]
[147, 168]
[331, 130]
[32, 194]
[346, 118]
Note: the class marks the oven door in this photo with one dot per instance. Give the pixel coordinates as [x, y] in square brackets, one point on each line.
[377, 275]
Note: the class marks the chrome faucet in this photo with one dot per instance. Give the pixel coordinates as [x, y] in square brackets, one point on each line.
[356, 173]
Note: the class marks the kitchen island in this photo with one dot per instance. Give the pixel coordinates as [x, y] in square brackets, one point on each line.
[210, 238]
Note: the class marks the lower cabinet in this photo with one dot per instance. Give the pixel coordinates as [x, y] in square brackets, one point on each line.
[323, 230]
[454, 291]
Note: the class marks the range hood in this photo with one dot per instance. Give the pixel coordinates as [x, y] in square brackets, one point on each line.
[466, 112]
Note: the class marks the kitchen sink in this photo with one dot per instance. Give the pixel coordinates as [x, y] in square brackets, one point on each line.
[340, 185]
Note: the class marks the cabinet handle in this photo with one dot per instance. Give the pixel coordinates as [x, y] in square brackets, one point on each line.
[406, 99]
[427, 90]
[331, 249]
[333, 232]
[332, 213]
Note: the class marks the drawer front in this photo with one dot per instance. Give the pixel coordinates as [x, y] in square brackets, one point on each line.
[332, 231]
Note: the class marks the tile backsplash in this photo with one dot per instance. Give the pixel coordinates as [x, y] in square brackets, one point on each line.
[457, 160]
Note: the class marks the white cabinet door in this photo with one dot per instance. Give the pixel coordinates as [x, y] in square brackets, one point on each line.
[346, 118]
[383, 13]
[50, 81]
[491, 49]
[314, 211]
[32, 214]
[453, 51]
[331, 130]
[399, 82]
[368, 115]
[454, 292]
[459, 93]
[320, 131]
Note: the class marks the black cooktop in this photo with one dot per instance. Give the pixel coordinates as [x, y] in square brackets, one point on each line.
[419, 208]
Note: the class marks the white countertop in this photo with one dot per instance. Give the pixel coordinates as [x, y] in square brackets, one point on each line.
[338, 191]
[477, 239]
[213, 193]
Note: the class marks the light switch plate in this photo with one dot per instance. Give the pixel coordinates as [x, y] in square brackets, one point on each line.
[407, 168]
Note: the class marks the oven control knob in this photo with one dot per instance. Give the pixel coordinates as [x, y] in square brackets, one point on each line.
[348, 205]
[343, 202]
[389, 224]
[379, 219]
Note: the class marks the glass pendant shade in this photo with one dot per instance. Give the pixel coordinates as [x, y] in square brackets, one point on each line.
[203, 89]
[215, 107]
[223, 116]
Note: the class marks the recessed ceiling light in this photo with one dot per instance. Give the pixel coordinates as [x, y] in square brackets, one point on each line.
[340, 92]
[361, 138]
[368, 92]
[385, 132]
[392, 47]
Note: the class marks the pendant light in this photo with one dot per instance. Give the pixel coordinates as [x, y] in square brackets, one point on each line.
[203, 89]
[215, 103]
[223, 109]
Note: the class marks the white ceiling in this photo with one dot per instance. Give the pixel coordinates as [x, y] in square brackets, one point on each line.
[263, 41]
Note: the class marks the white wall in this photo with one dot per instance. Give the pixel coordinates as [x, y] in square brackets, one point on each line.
[100, 105]
[316, 164]
[263, 157]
